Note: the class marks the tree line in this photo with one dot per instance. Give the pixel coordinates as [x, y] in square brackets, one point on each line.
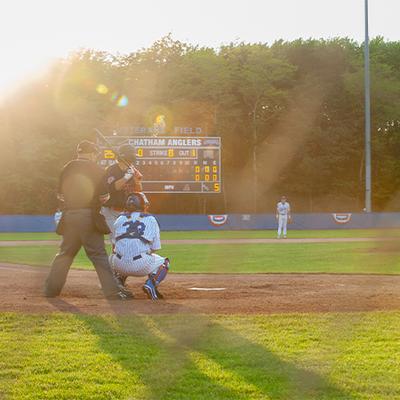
[290, 115]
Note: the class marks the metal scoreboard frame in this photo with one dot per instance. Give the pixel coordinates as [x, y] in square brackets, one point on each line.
[173, 164]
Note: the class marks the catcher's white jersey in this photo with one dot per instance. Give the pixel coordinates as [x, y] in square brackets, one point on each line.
[136, 233]
[283, 208]
[136, 236]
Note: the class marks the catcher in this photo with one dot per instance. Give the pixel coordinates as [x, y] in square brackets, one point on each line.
[137, 237]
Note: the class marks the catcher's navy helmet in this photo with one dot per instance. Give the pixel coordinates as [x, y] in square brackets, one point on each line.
[137, 201]
[127, 152]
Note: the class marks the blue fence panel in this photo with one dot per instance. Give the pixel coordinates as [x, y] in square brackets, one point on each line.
[27, 223]
[45, 223]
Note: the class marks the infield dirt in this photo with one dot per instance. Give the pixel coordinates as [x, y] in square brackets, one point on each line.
[21, 291]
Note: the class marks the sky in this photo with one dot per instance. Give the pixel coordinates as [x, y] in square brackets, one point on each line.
[35, 32]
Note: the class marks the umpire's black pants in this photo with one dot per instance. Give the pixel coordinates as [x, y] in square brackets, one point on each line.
[79, 230]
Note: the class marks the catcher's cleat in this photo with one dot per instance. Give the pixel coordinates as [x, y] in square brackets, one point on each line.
[150, 289]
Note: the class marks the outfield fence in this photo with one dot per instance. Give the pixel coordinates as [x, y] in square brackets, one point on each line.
[45, 223]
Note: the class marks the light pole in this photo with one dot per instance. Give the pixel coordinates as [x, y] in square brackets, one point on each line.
[368, 207]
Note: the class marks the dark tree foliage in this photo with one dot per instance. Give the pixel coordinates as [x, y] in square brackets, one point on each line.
[290, 114]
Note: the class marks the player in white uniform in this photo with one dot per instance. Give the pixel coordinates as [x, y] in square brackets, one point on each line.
[137, 237]
[282, 216]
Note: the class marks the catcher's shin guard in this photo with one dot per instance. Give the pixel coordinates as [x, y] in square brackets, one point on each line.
[158, 276]
[150, 287]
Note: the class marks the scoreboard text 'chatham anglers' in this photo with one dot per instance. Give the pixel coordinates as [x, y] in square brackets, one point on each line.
[173, 164]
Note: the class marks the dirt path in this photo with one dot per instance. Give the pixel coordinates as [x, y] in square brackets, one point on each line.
[21, 291]
[12, 243]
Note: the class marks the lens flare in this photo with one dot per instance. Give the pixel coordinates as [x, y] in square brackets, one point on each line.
[160, 119]
[122, 101]
[114, 96]
[101, 89]
[159, 125]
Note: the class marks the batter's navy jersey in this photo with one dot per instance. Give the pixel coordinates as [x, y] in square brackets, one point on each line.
[136, 233]
[117, 197]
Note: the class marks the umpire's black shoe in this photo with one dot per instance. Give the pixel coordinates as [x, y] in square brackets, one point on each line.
[121, 279]
[122, 294]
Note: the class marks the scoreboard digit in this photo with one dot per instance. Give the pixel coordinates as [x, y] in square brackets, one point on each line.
[174, 164]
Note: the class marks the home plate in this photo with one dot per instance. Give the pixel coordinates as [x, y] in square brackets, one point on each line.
[207, 289]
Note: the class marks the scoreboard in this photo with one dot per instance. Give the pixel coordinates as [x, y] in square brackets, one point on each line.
[173, 164]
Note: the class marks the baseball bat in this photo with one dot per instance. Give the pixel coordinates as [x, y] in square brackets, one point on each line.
[102, 137]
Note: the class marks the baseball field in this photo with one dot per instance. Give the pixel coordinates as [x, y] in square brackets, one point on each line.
[315, 316]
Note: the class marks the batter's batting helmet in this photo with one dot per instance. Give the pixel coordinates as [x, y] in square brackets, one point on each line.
[127, 153]
[137, 201]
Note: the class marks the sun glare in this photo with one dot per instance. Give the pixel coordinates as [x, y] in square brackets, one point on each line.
[18, 70]
[33, 33]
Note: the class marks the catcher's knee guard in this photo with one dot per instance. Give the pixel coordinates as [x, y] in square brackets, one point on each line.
[158, 276]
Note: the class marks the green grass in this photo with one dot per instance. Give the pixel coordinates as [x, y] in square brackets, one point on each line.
[293, 357]
[340, 233]
[28, 236]
[358, 257]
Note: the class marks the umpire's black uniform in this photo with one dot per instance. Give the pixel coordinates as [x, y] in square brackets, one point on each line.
[82, 188]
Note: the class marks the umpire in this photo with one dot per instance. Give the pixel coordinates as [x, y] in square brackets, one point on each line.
[82, 190]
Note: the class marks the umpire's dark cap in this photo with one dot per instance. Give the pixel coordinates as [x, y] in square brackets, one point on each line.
[86, 147]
